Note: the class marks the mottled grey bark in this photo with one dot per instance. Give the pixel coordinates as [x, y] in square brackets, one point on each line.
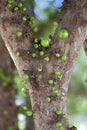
[75, 22]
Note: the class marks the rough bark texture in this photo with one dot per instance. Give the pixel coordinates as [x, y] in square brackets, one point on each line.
[8, 117]
[75, 21]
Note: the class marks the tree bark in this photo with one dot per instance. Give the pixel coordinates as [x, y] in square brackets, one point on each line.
[8, 117]
[75, 21]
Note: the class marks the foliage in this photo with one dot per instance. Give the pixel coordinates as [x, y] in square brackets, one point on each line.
[78, 87]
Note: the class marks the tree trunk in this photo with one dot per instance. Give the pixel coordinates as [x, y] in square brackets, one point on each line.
[49, 105]
[8, 117]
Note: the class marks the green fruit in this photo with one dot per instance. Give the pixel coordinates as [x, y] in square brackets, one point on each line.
[9, 5]
[32, 20]
[48, 99]
[20, 5]
[36, 46]
[50, 81]
[24, 9]
[24, 18]
[41, 53]
[17, 53]
[19, 34]
[35, 29]
[33, 55]
[10, 1]
[47, 58]
[57, 72]
[56, 92]
[29, 113]
[59, 124]
[16, 8]
[66, 120]
[58, 112]
[25, 108]
[55, 23]
[63, 34]
[36, 40]
[45, 42]
[40, 69]
[24, 91]
[26, 77]
[59, 76]
[64, 57]
[57, 55]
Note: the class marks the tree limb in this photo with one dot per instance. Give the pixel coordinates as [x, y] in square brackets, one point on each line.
[74, 21]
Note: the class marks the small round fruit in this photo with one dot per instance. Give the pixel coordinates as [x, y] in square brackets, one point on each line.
[24, 18]
[35, 46]
[24, 9]
[19, 34]
[20, 5]
[50, 81]
[33, 55]
[17, 53]
[56, 92]
[47, 58]
[57, 72]
[45, 42]
[26, 77]
[41, 53]
[63, 34]
[64, 57]
[16, 8]
[57, 55]
[59, 124]
[39, 69]
[35, 29]
[48, 99]
[58, 112]
[29, 113]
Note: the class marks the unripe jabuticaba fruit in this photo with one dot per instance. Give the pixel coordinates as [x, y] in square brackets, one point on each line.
[45, 42]
[63, 34]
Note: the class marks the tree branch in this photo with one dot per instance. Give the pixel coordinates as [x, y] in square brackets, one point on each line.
[39, 88]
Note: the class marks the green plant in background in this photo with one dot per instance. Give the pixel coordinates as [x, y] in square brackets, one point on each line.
[5, 79]
[24, 106]
[78, 87]
[10, 128]
[19, 84]
[25, 110]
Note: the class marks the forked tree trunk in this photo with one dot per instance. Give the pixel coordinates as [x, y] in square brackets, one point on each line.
[8, 117]
[75, 22]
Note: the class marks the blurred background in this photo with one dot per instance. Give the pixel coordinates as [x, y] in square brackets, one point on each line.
[15, 107]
